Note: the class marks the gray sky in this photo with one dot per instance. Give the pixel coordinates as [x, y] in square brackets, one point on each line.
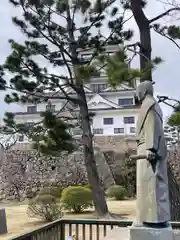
[166, 76]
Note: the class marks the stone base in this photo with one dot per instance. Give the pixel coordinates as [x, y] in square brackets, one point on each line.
[3, 223]
[142, 233]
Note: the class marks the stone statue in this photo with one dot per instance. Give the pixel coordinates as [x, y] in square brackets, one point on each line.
[152, 182]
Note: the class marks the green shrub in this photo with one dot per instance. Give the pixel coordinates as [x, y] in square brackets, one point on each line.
[45, 207]
[51, 190]
[76, 198]
[117, 192]
[126, 174]
[88, 186]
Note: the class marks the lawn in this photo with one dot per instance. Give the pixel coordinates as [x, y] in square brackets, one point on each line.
[18, 221]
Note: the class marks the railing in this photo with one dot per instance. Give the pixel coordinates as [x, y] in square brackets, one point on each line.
[78, 229]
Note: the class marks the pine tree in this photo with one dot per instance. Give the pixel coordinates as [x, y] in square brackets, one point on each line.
[172, 126]
[145, 26]
[56, 31]
[174, 122]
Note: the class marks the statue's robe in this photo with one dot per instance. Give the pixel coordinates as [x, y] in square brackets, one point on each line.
[152, 183]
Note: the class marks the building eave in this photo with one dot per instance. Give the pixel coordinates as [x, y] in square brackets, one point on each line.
[108, 92]
[134, 107]
[95, 110]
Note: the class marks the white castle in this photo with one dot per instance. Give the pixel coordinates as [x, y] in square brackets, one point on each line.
[115, 112]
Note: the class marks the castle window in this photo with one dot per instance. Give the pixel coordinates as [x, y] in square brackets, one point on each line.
[98, 131]
[98, 87]
[118, 130]
[125, 101]
[132, 129]
[21, 138]
[129, 120]
[32, 109]
[108, 121]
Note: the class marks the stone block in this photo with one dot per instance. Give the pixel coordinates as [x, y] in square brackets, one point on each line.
[176, 235]
[3, 223]
[145, 233]
[142, 233]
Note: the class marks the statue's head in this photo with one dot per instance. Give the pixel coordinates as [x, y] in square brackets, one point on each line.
[143, 89]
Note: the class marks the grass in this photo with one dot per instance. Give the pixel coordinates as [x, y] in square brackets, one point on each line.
[18, 221]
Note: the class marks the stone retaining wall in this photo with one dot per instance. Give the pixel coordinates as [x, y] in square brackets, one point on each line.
[23, 173]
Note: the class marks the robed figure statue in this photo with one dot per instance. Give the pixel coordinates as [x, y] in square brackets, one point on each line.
[152, 180]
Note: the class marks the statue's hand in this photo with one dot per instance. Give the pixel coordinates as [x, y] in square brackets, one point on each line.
[151, 156]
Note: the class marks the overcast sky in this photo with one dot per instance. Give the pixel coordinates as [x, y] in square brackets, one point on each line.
[167, 76]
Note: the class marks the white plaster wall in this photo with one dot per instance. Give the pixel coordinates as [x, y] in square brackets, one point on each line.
[113, 97]
[41, 106]
[118, 122]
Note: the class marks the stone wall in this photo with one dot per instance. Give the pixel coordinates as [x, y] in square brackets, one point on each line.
[115, 143]
[23, 173]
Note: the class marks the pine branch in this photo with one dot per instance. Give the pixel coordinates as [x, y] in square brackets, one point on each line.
[166, 36]
[108, 3]
[66, 97]
[128, 47]
[49, 38]
[164, 14]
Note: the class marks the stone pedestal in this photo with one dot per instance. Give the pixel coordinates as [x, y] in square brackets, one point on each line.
[142, 233]
[145, 233]
[3, 223]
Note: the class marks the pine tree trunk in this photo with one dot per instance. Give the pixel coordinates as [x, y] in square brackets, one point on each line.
[91, 168]
[89, 159]
[145, 38]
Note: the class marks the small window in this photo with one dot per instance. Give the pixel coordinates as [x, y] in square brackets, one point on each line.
[129, 120]
[98, 131]
[125, 101]
[21, 138]
[132, 129]
[32, 109]
[108, 121]
[98, 87]
[50, 108]
[118, 130]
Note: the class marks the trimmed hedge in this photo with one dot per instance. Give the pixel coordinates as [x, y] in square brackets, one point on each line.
[117, 192]
[76, 198]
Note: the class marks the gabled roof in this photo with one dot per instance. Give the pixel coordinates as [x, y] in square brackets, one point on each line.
[97, 101]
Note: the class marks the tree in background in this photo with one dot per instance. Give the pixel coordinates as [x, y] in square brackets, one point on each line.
[126, 174]
[170, 135]
[172, 127]
[174, 122]
[145, 26]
